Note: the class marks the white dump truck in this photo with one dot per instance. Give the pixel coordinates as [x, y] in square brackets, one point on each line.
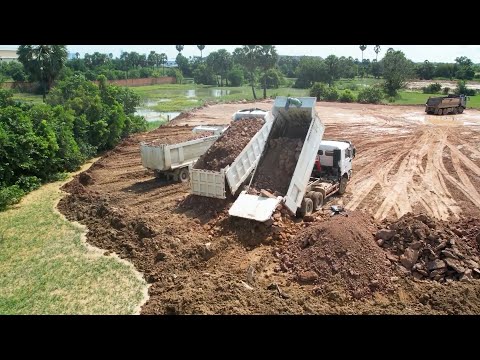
[173, 160]
[213, 183]
[330, 175]
[322, 168]
[249, 113]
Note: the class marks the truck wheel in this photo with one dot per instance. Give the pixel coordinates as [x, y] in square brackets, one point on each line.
[445, 111]
[306, 209]
[438, 111]
[455, 111]
[343, 186]
[460, 110]
[184, 175]
[317, 200]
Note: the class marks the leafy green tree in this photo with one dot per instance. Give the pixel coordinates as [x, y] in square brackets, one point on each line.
[248, 56]
[426, 70]
[267, 58]
[311, 70]
[204, 74]
[397, 70]
[235, 76]
[464, 68]
[333, 69]
[183, 64]
[43, 62]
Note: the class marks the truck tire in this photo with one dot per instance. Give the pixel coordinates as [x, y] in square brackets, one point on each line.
[317, 200]
[343, 185]
[455, 110]
[184, 175]
[306, 208]
[460, 109]
[438, 112]
[445, 111]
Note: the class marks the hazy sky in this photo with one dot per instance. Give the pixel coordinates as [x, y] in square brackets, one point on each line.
[434, 53]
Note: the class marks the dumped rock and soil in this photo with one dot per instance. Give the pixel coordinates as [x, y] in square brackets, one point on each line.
[199, 260]
[176, 139]
[339, 249]
[228, 146]
[278, 165]
[430, 249]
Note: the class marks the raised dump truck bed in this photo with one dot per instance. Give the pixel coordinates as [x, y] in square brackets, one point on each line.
[173, 160]
[299, 126]
[443, 105]
[211, 183]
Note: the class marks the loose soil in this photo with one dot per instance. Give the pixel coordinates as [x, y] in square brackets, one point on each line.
[228, 146]
[199, 260]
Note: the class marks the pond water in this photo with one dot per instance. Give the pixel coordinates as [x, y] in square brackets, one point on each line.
[152, 115]
[145, 109]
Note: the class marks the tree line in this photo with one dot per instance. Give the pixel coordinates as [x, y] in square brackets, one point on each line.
[79, 119]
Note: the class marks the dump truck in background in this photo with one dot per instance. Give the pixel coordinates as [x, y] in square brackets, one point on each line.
[214, 184]
[297, 120]
[173, 160]
[443, 105]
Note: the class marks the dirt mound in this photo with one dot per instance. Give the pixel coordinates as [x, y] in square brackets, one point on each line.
[229, 145]
[430, 249]
[175, 139]
[339, 250]
[278, 165]
[85, 179]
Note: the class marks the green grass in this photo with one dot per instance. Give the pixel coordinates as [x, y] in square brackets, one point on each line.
[28, 98]
[416, 98]
[152, 125]
[46, 269]
[180, 102]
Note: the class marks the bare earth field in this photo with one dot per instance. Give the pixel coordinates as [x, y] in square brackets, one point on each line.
[199, 260]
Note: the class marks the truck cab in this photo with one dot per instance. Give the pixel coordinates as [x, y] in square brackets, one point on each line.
[334, 160]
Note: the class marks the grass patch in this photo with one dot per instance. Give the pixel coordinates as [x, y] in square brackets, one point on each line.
[152, 125]
[416, 98]
[46, 269]
[28, 98]
[187, 96]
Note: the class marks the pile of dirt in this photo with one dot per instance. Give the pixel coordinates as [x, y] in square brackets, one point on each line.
[178, 138]
[470, 229]
[228, 146]
[338, 250]
[278, 165]
[429, 249]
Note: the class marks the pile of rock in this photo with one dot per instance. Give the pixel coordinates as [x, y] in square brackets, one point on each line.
[429, 249]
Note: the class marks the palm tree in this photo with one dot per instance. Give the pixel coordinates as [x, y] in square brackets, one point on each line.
[377, 50]
[363, 48]
[179, 48]
[249, 59]
[43, 62]
[267, 58]
[77, 55]
[201, 47]
[162, 59]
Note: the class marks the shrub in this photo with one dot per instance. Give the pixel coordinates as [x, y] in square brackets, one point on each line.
[28, 183]
[331, 94]
[347, 96]
[370, 95]
[462, 89]
[10, 195]
[353, 87]
[446, 90]
[235, 77]
[432, 88]
[318, 90]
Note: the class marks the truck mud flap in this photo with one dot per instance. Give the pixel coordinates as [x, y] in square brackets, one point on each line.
[254, 207]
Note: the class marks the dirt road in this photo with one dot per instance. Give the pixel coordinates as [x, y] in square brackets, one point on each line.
[199, 260]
